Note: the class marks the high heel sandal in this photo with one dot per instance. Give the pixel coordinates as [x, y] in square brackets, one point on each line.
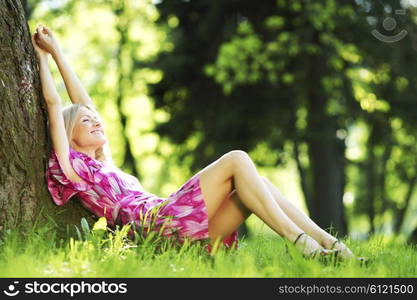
[362, 260]
[350, 254]
[320, 253]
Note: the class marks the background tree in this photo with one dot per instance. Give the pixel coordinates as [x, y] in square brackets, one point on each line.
[24, 199]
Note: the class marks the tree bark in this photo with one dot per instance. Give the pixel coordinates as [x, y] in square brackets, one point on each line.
[326, 152]
[24, 142]
[371, 180]
[401, 212]
[326, 155]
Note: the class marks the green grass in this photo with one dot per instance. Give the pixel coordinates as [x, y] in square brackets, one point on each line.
[102, 253]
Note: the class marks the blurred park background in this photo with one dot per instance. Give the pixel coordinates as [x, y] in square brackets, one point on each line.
[321, 94]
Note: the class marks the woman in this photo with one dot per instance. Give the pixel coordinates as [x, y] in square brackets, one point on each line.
[210, 205]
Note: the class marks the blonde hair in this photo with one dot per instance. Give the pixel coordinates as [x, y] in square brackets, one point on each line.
[70, 114]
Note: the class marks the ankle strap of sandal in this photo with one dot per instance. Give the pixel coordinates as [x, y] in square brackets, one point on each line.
[298, 237]
[334, 243]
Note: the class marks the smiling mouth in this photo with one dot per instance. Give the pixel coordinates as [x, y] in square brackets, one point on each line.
[98, 131]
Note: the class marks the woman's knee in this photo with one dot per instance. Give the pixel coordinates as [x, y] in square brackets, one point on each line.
[238, 157]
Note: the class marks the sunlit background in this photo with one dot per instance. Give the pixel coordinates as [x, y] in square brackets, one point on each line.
[121, 48]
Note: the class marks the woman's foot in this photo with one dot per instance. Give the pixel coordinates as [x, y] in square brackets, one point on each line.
[310, 248]
[335, 244]
[345, 252]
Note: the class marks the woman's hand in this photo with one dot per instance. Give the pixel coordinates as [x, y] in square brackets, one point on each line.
[46, 40]
[40, 53]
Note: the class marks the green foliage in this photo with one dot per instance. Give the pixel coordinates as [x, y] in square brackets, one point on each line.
[243, 55]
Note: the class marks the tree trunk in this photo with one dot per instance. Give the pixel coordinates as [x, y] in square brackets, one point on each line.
[24, 144]
[400, 214]
[371, 181]
[413, 237]
[326, 153]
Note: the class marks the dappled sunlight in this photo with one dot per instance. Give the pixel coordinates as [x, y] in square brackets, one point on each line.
[325, 110]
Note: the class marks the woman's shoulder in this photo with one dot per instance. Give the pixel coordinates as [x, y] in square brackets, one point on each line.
[84, 165]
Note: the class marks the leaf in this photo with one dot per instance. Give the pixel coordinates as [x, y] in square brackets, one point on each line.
[78, 233]
[101, 224]
[85, 226]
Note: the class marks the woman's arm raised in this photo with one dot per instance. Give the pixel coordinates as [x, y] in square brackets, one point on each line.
[56, 119]
[75, 90]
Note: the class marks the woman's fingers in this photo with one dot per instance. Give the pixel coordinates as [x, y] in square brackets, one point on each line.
[34, 40]
[41, 34]
[41, 30]
[47, 30]
[44, 33]
[38, 50]
[43, 38]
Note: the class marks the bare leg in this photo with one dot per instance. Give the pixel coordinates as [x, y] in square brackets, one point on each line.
[257, 197]
[305, 223]
[237, 169]
[299, 218]
[228, 217]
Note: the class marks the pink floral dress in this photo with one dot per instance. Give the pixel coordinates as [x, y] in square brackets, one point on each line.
[107, 191]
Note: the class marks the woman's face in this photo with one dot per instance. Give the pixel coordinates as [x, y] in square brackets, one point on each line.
[88, 131]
